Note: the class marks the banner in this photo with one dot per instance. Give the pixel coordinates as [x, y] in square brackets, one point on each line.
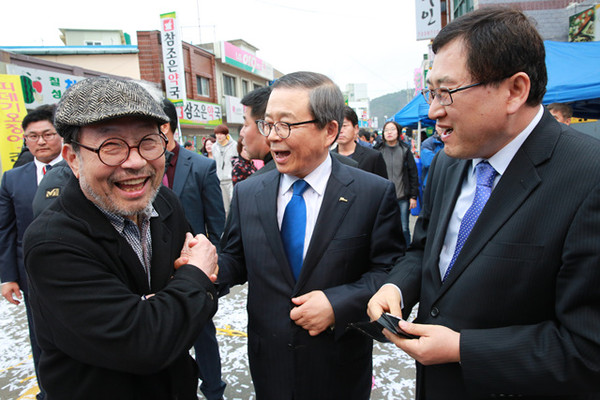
[235, 110]
[582, 25]
[172, 59]
[429, 18]
[40, 86]
[12, 112]
[246, 61]
[196, 113]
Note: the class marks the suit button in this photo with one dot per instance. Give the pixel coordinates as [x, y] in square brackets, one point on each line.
[434, 312]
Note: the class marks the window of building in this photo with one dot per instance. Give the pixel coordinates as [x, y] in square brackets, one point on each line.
[245, 87]
[229, 85]
[461, 7]
[203, 86]
[93, 43]
[257, 86]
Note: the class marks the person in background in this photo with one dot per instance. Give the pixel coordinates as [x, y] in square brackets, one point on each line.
[402, 171]
[429, 148]
[310, 263]
[364, 138]
[368, 159]
[562, 112]
[223, 152]
[243, 166]
[194, 180]
[25, 155]
[188, 146]
[504, 261]
[255, 104]
[208, 146]
[16, 197]
[114, 314]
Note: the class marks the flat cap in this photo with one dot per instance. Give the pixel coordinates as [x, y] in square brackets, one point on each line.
[99, 99]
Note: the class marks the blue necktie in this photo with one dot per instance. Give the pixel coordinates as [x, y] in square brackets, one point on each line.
[293, 227]
[485, 180]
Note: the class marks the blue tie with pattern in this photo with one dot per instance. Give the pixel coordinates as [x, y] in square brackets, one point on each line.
[485, 180]
[293, 227]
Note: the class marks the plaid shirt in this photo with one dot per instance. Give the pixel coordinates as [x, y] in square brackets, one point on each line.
[140, 240]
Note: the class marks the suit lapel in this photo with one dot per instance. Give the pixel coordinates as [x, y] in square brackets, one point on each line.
[266, 203]
[182, 169]
[515, 186]
[337, 200]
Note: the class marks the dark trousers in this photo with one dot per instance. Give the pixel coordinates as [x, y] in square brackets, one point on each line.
[35, 348]
[209, 362]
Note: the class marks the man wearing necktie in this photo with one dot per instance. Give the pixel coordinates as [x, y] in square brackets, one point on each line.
[16, 196]
[314, 239]
[505, 257]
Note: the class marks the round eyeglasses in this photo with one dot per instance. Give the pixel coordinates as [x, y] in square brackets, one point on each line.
[115, 151]
[444, 95]
[282, 129]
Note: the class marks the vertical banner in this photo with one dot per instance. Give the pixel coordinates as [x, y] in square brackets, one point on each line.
[429, 18]
[12, 112]
[172, 58]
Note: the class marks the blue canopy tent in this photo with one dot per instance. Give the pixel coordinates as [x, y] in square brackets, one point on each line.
[574, 76]
[413, 113]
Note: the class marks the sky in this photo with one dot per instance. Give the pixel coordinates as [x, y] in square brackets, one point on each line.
[372, 42]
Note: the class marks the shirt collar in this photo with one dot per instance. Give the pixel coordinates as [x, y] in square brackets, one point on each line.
[40, 165]
[119, 222]
[504, 156]
[317, 179]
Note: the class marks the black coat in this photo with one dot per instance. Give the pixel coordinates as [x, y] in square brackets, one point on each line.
[99, 339]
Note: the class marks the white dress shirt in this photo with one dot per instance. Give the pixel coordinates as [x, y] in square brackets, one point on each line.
[313, 197]
[39, 167]
[500, 162]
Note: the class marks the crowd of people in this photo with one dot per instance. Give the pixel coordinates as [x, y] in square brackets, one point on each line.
[120, 241]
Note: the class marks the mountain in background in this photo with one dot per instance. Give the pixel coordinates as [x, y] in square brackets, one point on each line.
[389, 104]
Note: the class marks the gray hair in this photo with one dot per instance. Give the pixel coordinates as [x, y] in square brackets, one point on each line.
[326, 101]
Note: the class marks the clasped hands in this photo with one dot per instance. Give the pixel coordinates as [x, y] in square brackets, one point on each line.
[436, 344]
[199, 252]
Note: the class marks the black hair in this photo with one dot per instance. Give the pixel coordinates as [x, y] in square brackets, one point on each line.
[499, 41]
[41, 113]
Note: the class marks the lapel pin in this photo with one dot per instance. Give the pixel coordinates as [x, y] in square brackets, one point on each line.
[345, 200]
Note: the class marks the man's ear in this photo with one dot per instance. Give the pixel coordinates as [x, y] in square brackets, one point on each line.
[518, 91]
[70, 156]
[333, 129]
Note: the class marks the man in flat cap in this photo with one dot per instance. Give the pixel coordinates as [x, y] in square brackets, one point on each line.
[114, 314]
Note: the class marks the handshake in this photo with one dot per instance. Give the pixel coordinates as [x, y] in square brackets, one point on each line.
[199, 252]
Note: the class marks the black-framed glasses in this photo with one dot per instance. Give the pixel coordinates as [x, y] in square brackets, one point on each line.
[444, 95]
[282, 129]
[115, 151]
[35, 137]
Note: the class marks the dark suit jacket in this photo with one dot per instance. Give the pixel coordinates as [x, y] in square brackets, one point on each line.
[369, 160]
[356, 239]
[100, 340]
[16, 195]
[196, 185]
[524, 291]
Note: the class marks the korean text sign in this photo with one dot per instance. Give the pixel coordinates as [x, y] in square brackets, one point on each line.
[12, 111]
[172, 58]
